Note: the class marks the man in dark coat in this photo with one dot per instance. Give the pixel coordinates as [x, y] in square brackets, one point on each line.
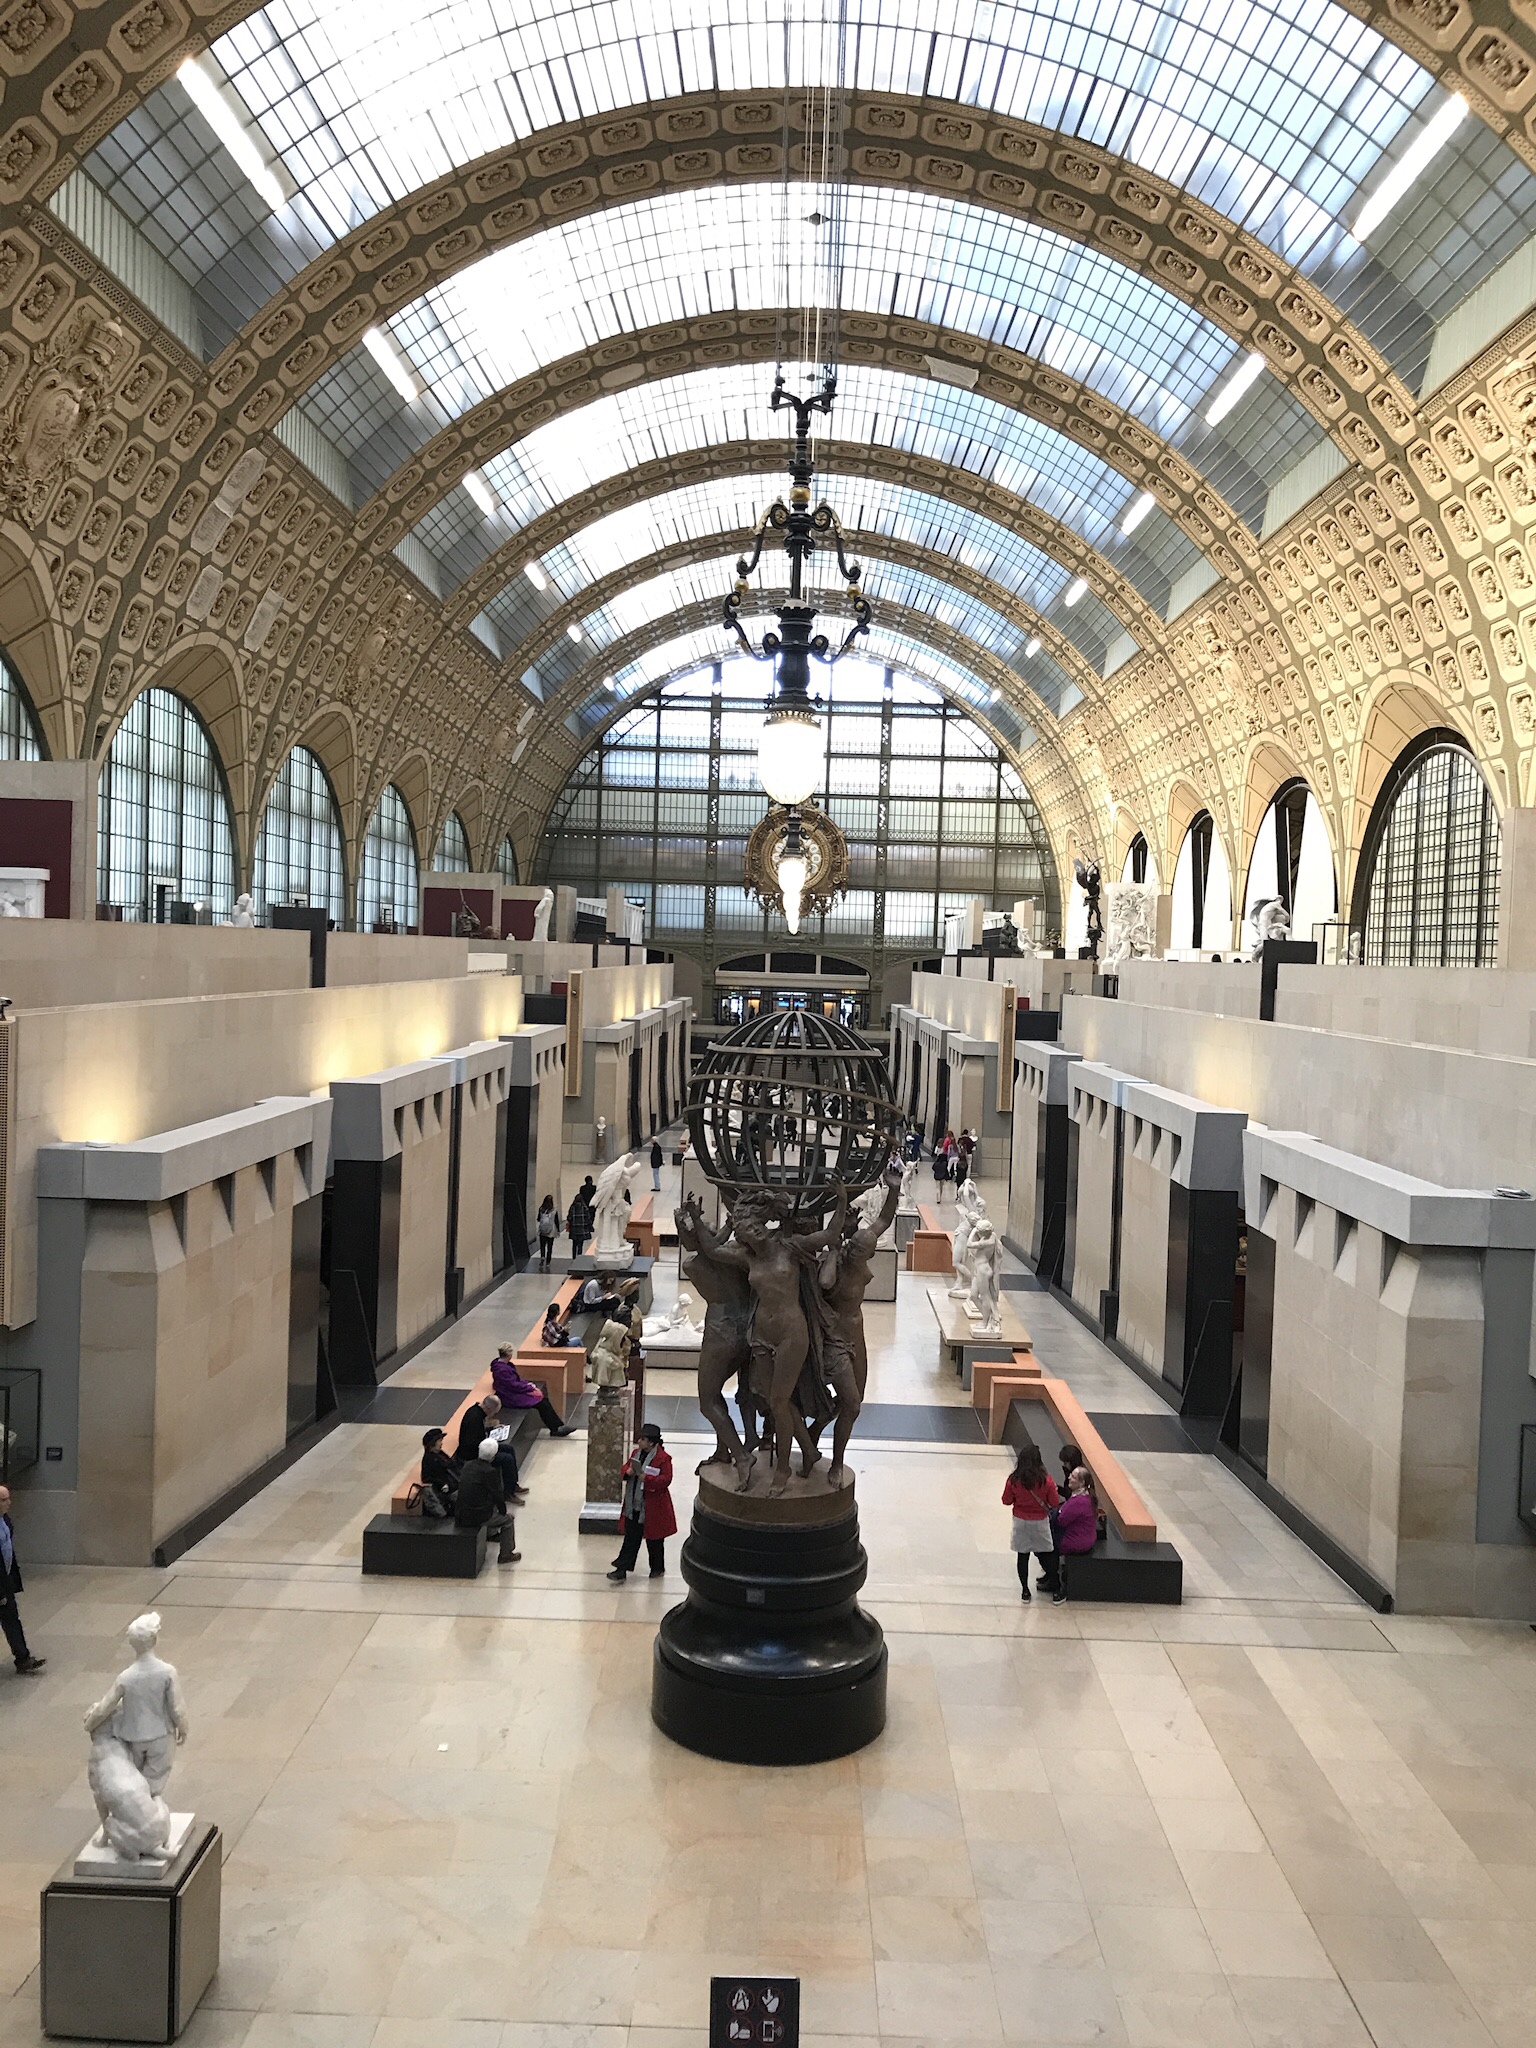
[10, 1586]
[482, 1501]
[581, 1216]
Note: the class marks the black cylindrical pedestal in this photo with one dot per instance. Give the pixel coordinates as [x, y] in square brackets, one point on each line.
[770, 1659]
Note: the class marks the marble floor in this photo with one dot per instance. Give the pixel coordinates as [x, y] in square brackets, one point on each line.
[1267, 1819]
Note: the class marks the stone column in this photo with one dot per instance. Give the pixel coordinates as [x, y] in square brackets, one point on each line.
[1517, 889]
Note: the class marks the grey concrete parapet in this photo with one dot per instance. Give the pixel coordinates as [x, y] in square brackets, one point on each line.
[156, 1169]
[1209, 1153]
[364, 1125]
[1052, 1063]
[1414, 1211]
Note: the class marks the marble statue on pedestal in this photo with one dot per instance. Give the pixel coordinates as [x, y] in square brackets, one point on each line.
[985, 1253]
[244, 912]
[970, 1206]
[134, 1728]
[608, 1357]
[611, 1250]
[677, 1324]
[1269, 919]
[907, 1206]
[600, 1141]
[541, 915]
[1130, 930]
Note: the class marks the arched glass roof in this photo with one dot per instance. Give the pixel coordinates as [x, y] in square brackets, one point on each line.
[865, 505]
[909, 254]
[707, 582]
[616, 433]
[864, 672]
[1275, 112]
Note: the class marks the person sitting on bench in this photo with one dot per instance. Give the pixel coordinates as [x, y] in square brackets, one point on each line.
[482, 1502]
[515, 1392]
[595, 1299]
[481, 1418]
[1077, 1524]
[438, 1470]
[555, 1334]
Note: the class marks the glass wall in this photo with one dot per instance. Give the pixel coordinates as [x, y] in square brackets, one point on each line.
[298, 850]
[18, 728]
[1430, 864]
[386, 888]
[506, 863]
[933, 814]
[163, 832]
[452, 854]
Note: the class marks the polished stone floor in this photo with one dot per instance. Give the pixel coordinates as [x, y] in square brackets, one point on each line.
[1267, 1819]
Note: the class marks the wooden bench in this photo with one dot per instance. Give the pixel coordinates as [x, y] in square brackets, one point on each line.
[1123, 1505]
[931, 1248]
[641, 1228]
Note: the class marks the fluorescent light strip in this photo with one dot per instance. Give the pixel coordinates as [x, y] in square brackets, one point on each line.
[1243, 378]
[481, 492]
[1410, 166]
[391, 362]
[1076, 589]
[222, 119]
[1141, 505]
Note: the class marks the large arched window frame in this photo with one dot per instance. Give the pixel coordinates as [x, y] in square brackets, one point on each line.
[299, 848]
[1136, 858]
[451, 854]
[1202, 891]
[164, 831]
[1427, 893]
[20, 736]
[1292, 860]
[389, 878]
[506, 863]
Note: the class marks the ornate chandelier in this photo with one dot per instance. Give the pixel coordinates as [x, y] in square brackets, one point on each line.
[790, 749]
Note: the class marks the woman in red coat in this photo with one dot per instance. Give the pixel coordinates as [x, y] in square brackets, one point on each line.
[647, 1505]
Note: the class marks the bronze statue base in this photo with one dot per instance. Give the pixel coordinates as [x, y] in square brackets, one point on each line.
[770, 1659]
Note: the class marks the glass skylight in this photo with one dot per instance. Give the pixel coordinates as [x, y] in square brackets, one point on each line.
[1275, 112]
[616, 433]
[866, 506]
[705, 583]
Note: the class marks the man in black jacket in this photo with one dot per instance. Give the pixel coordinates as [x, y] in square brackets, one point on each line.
[482, 1500]
[10, 1586]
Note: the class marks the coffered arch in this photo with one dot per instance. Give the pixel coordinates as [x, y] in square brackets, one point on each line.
[33, 637]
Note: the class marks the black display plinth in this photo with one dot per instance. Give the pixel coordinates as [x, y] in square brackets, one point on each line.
[770, 1659]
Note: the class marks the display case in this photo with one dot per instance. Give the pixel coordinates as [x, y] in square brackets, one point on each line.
[20, 1417]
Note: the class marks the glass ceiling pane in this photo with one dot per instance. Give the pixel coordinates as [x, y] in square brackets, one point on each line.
[749, 679]
[1273, 111]
[706, 582]
[866, 506]
[618, 432]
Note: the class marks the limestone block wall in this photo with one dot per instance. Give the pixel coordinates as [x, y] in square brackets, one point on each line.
[1038, 1175]
[1228, 990]
[1475, 1009]
[482, 1079]
[1095, 1096]
[47, 963]
[1399, 1370]
[166, 1359]
[1144, 1223]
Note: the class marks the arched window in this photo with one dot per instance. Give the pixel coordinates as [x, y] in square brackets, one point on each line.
[386, 888]
[298, 850]
[1428, 894]
[1202, 892]
[1135, 869]
[18, 727]
[506, 863]
[163, 830]
[452, 855]
[1292, 860]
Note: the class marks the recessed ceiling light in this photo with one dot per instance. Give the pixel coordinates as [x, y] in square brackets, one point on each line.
[225, 123]
[389, 359]
[1140, 506]
[1032, 648]
[573, 631]
[1243, 378]
[536, 576]
[481, 492]
[1076, 589]
[1410, 166]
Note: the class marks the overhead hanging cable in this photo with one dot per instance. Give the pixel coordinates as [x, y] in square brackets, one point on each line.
[817, 284]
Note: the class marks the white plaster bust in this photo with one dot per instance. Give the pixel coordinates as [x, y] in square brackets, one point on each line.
[244, 912]
[134, 1728]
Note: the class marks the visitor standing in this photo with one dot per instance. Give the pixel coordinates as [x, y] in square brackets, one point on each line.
[657, 1157]
[10, 1585]
[1031, 1493]
[548, 1230]
[944, 1162]
[581, 1215]
[648, 1510]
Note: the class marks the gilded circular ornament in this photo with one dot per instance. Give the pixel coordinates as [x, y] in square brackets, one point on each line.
[826, 852]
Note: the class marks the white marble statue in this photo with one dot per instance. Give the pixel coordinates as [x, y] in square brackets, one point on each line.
[1130, 928]
[244, 913]
[1269, 919]
[607, 1358]
[541, 915]
[611, 1250]
[907, 1206]
[971, 1208]
[677, 1322]
[134, 1728]
[1356, 952]
[867, 1207]
[986, 1254]
[600, 1141]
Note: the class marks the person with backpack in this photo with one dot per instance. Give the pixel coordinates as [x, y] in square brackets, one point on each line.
[548, 1228]
[581, 1217]
[657, 1158]
[1031, 1493]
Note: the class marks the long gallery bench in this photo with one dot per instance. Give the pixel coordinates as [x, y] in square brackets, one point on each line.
[930, 1248]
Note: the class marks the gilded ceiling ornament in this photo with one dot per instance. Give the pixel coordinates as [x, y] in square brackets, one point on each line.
[826, 855]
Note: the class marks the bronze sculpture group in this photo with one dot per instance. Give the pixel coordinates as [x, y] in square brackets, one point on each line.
[784, 1318]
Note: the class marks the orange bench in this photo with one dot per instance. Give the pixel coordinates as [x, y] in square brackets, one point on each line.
[641, 1228]
[930, 1248]
[1132, 1519]
[562, 1372]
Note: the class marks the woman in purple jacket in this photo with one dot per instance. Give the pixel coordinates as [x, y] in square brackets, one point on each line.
[1077, 1522]
[516, 1392]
